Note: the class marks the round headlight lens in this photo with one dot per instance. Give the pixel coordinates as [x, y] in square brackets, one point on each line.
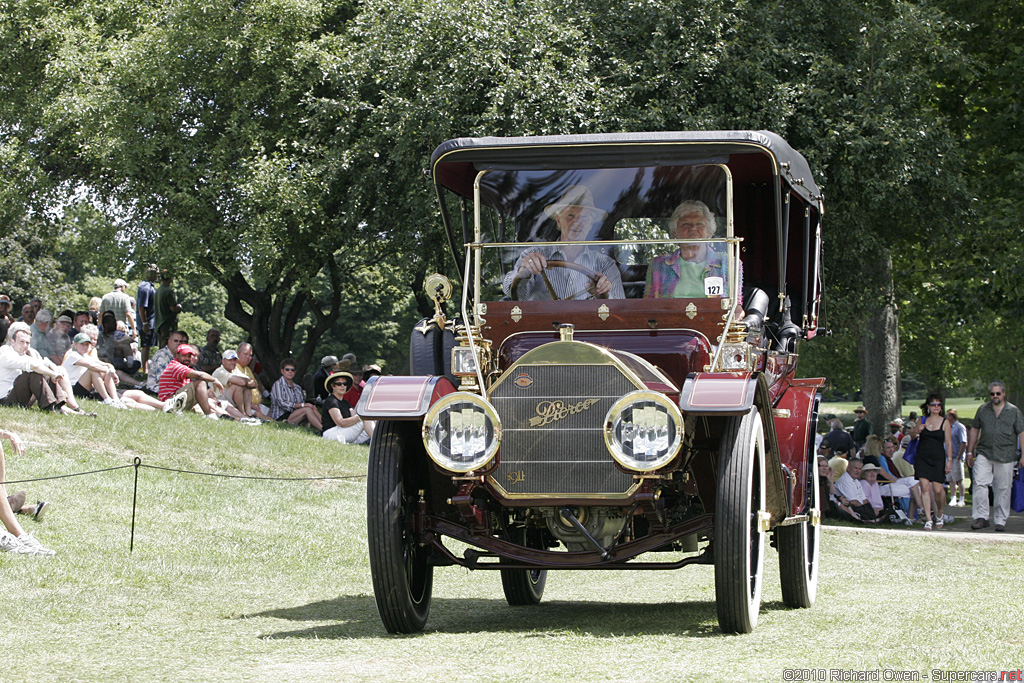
[461, 432]
[643, 431]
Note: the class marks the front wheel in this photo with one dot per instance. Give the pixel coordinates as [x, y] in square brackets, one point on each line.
[739, 538]
[798, 546]
[402, 576]
[524, 586]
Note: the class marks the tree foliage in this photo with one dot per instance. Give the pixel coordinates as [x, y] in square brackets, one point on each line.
[279, 146]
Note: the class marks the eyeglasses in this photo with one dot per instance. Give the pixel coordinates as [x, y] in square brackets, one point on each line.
[935, 403]
[288, 370]
[995, 393]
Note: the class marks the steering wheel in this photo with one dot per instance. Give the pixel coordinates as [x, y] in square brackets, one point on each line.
[559, 263]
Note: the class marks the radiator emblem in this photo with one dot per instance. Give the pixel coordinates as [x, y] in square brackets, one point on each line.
[523, 381]
[516, 477]
[550, 411]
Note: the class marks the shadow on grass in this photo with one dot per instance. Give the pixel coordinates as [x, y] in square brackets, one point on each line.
[355, 616]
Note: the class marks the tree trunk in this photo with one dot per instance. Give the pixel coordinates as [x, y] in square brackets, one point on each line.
[878, 347]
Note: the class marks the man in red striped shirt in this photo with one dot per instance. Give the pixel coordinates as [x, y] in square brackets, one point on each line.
[177, 389]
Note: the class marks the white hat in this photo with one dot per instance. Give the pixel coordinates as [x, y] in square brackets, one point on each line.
[576, 195]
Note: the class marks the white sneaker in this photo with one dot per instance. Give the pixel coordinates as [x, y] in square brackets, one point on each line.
[112, 402]
[175, 403]
[252, 421]
[10, 544]
[35, 547]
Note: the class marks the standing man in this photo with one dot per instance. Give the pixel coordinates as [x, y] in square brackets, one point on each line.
[955, 478]
[145, 308]
[118, 302]
[861, 427]
[996, 433]
[167, 309]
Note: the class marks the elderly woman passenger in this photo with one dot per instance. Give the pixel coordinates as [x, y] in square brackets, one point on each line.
[692, 270]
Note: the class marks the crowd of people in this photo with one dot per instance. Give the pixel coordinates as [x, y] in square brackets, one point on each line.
[912, 473]
[98, 354]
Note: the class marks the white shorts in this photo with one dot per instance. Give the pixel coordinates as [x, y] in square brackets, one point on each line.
[353, 434]
[900, 488]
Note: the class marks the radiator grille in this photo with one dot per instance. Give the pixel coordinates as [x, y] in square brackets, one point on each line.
[563, 451]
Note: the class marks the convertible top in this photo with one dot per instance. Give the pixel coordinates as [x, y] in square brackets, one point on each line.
[455, 163]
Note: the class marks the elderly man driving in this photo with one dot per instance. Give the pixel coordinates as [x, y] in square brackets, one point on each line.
[533, 278]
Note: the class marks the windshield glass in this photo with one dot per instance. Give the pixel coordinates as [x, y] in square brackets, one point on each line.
[609, 233]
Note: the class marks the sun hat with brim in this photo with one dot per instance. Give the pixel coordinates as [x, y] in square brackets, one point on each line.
[576, 195]
[860, 409]
[333, 376]
[870, 468]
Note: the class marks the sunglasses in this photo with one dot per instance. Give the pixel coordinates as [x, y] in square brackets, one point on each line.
[288, 370]
[995, 393]
[935, 403]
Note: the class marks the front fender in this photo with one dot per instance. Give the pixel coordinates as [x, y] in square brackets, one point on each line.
[394, 397]
[720, 393]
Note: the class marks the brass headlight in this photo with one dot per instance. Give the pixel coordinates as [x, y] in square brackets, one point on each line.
[461, 432]
[643, 430]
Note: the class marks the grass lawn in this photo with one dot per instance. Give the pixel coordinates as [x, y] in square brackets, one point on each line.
[242, 580]
[965, 408]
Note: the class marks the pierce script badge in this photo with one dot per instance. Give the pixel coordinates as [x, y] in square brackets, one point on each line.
[550, 411]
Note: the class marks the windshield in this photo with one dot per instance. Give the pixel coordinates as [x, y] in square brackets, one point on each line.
[655, 232]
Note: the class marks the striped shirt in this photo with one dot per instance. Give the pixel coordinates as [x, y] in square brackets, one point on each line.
[285, 397]
[566, 282]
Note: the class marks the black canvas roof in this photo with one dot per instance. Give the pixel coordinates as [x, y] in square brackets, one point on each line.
[455, 163]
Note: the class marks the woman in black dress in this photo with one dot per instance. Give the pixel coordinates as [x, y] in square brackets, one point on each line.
[933, 463]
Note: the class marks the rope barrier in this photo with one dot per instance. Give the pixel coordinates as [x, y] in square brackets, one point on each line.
[137, 464]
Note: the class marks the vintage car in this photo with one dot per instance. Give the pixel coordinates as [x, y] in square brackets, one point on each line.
[618, 388]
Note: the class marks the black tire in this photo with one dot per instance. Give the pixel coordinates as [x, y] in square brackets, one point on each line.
[430, 353]
[739, 542]
[402, 576]
[523, 586]
[799, 547]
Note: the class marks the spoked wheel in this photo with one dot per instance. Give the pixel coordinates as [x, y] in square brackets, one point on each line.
[798, 550]
[402, 576]
[739, 540]
[524, 586]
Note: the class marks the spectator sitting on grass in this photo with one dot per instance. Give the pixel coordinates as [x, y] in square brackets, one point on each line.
[16, 541]
[872, 492]
[236, 385]
[853, 504]
[209, 355]
[244, 367]
[340, 422]
[40, 329]
[288, 401]
[161, 359]
[58, 339]
[179, 392]
[115, 347]
[328, 366]
[26, 378]
[92, 378]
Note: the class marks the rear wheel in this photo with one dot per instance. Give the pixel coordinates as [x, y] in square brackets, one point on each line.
[798, 550]
[402, 575]
[739, 540]
[524, 586]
